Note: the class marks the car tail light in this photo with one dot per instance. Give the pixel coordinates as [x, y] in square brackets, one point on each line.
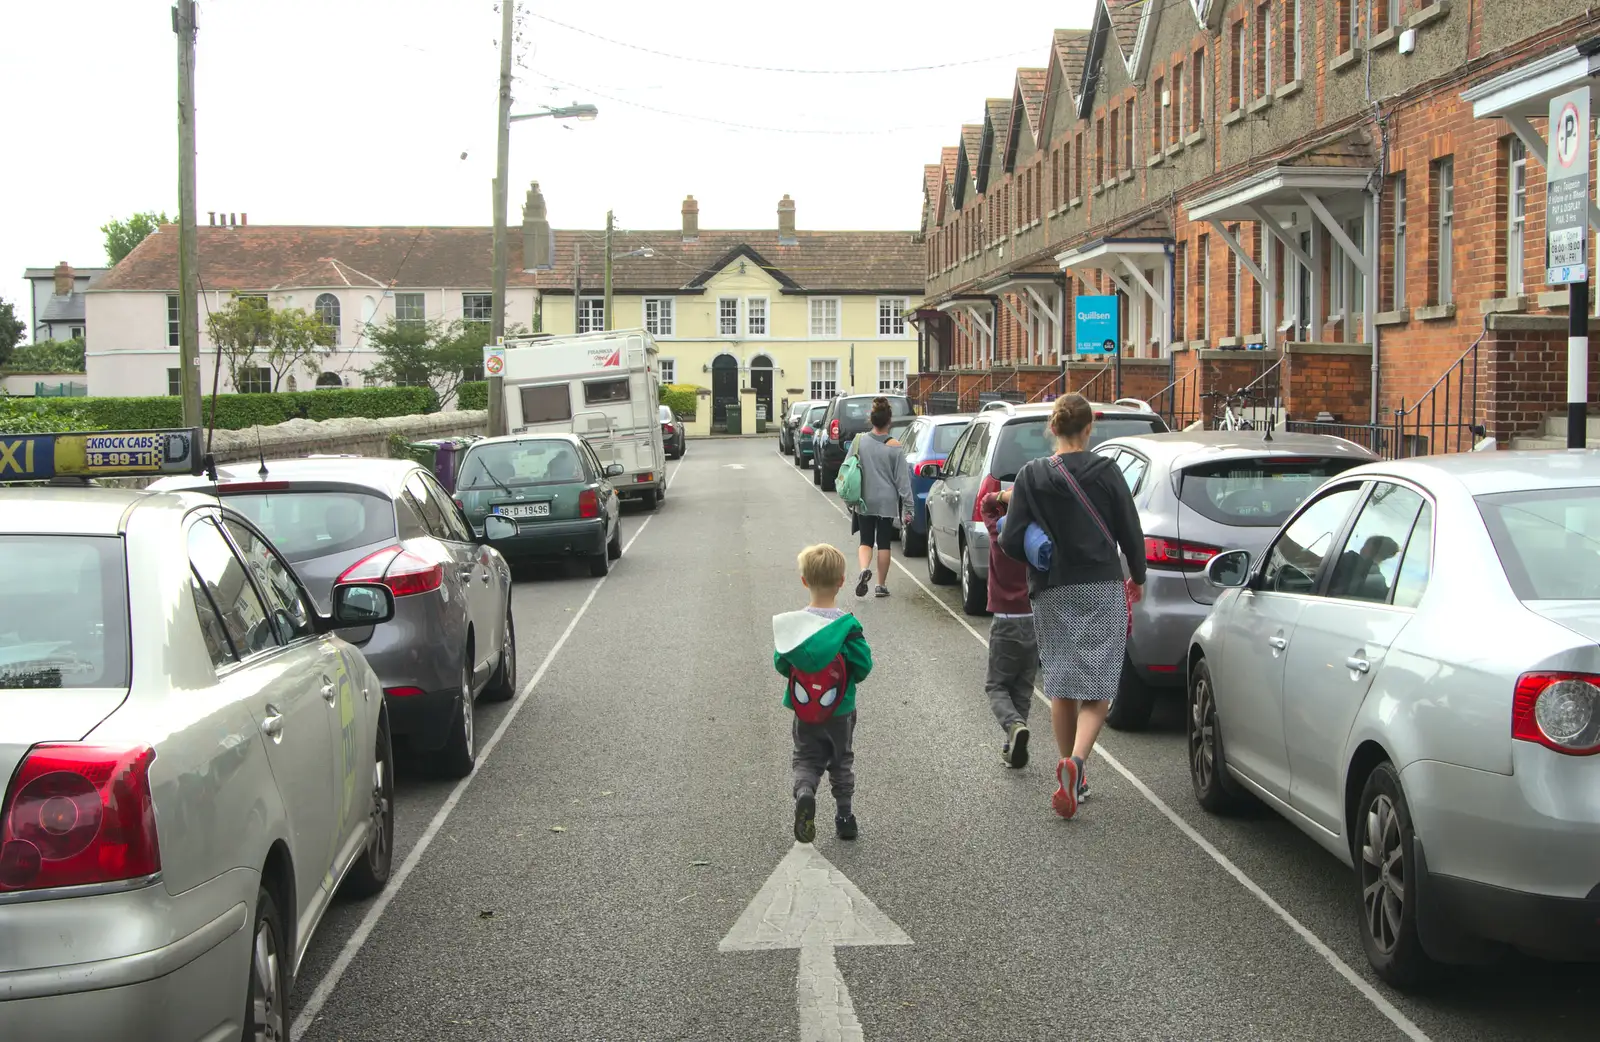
[646, 476]
[397, 568]
[833, 430]
[588, 503]
[76, 815]
[403, 692]
[1559, 711]
[989, 484]
[459, 505]
[808, 429]
[1160, 552]
[666, 428]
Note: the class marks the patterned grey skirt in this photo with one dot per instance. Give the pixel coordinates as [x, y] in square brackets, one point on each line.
[1083, 637]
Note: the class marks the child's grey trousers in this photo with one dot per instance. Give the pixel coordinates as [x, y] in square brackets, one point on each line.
[827, 747]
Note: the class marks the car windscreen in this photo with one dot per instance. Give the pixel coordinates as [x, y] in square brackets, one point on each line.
[1548, 541]
[64, 612]
[308, 524]
[1254, 492]
[513, 463]
[1020, 441]
[945, 436]
[1122, 426]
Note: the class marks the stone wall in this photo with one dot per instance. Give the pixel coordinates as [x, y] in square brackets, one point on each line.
[362, 437]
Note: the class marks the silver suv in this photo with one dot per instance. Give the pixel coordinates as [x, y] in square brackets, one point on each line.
[1000, 439]
[1199, 493]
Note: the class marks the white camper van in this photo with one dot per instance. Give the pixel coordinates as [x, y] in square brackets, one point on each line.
[603, 387]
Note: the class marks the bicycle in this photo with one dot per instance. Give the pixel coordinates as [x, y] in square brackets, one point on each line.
[1226, 419]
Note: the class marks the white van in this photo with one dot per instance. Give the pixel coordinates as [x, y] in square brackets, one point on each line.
[604, 387]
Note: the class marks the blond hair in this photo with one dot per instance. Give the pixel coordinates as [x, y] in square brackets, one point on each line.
[822, 567]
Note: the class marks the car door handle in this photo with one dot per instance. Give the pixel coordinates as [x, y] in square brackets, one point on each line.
[1357, 663]
[328, 690]
[272, 724]
[1278, 642]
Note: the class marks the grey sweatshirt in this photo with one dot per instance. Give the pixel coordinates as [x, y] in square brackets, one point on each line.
[885, 479]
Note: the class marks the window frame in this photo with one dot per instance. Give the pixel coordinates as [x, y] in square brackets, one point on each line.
[812, 383]
[1325, 582]
[750, 316]
[813, 305]
[174, 321]
[1401, 217]
[666, 370]
[723, 329]
[1444, 229]
[665, 320]
[321, 308]
[467, 310]
[258, 380]
[1516, 281]
[211, 517]
[1238, 67]
[409, 298]
[895, 316]
[585, 314]
[1334, 487]
[905, 374]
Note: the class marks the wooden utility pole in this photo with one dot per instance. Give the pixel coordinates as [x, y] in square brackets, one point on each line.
[610, 223]
[183, 24]
[497, 327]
[577, 284]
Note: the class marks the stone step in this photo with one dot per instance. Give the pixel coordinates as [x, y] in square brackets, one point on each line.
[1555, 426]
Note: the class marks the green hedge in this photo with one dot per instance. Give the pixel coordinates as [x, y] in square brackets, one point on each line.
[684, 399]
[43, 416]
[474, 395]
[238, 411]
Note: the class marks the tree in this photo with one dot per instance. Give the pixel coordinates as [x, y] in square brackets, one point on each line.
[430, 354]
[11, 329]
[123, 236]
[239, 329]
[49, 356]
[297, 338]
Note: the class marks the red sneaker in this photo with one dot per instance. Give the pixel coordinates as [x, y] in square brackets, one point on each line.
[1065, 798]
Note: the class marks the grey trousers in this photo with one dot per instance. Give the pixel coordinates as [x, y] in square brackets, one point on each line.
[1013, 668]
[827, 747]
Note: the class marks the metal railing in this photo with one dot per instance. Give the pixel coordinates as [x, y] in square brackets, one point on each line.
[1096, 391]
[1177, 403]
[1378, 439]
[1448, 417]
[1050, 389]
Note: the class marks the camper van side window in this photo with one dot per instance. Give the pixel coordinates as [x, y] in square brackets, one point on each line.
[547, 404]
[600, 392]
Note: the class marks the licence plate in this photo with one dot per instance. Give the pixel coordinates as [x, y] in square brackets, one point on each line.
[524, 510]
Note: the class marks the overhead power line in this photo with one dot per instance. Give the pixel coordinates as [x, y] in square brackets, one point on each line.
[771, 68]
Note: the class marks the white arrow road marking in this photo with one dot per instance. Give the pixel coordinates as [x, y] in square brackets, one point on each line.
[733, 466]
[808, 904]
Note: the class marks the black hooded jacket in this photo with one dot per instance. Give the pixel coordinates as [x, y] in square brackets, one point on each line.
[1082, 553]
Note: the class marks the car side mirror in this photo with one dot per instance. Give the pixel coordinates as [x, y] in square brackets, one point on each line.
[1229, 570]
[361, 604]
[613, 470]
[933, 470]
[498, 526]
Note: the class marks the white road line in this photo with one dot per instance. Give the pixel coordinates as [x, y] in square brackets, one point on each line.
[358, 939]
[1371, 994]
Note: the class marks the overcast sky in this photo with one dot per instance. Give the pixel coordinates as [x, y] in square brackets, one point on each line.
[383, 111]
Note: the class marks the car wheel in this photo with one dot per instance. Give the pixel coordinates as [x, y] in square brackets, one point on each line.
[1214, 788]
[974, 593]
[266, 1014]
[1384, 866]
[661, 493]
[816, 472]
[370, 873]
[614, 547]
[916, 543]
[829, 479]
[461, 748]
[799, 461]
[504, 685]
[1131, 709]
[938, 574]
[648, 498]
[600, 564]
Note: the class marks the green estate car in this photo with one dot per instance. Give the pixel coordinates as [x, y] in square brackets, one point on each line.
[554, 488]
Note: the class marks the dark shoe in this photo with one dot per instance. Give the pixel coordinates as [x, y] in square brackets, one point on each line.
[881, 591]
[805, 817]
[1083, 783]
[864, 581]
[1017, 746]
[845, 826]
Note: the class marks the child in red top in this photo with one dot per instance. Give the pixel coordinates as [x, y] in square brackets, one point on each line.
[1013, 648]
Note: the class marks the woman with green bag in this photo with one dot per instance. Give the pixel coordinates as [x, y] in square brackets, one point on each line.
[878, 494]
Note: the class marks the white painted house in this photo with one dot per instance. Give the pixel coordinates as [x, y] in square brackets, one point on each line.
[58, 300]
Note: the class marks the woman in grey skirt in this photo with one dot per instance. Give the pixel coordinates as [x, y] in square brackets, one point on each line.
[1080, 606]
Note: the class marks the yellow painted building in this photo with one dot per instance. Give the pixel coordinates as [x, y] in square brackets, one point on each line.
[758, 317]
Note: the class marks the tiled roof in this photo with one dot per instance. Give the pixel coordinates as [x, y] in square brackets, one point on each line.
[265, 257]
[930, 180]
[998, 111]
[971, 143]
[63, 309]
[1030, 83]
[50, 273]
[1125, 16]
[1072, 51]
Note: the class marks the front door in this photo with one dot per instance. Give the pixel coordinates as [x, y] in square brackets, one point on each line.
[724, 388]
[761, 380]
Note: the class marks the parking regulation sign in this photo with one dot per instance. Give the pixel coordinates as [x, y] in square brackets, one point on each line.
[1567, 191]
[494, 360]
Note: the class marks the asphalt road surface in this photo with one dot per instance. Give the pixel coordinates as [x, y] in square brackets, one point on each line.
[631, 803]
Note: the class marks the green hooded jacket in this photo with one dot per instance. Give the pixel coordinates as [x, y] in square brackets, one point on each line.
[806, 641]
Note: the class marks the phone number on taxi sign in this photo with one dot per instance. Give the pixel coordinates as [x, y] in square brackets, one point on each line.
[122, 450]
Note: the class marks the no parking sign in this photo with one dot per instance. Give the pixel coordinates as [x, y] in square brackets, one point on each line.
[1567, 195]
[494, 360]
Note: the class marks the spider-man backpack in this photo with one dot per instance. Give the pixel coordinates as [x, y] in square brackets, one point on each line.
[815, 696]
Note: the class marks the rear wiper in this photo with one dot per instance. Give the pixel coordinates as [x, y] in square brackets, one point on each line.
[500, 484]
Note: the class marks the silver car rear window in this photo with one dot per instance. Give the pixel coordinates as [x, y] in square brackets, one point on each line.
[308, 524]
[944, 437]
[1255, 493]
[1548, 541]
[64, 613]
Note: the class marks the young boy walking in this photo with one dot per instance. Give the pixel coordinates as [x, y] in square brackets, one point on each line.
[822, 655]
[1013, 648]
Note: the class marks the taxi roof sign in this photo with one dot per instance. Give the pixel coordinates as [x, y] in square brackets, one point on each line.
[99, 454]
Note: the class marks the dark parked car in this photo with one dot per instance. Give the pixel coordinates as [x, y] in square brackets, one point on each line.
[789, 428]
[673, 439]
[847, 416]
[805, 435]
[927, 441]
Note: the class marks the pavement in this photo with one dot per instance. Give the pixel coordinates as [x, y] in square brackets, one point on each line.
[631, 803]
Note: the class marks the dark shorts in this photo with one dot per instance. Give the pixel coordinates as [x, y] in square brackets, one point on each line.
[875, 531]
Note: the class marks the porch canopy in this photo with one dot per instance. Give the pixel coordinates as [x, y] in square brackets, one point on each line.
[1141, 267]
[973, 314]
[1523, 93]
[1290, 202]
[1043, 298]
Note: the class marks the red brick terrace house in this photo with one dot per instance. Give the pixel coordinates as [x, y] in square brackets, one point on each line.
[1282, 196]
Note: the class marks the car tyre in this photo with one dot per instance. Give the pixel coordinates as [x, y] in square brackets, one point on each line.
[600, 564]
[504, 685]
[816, 472]
[649, 499]
[370, 873]
[460, 750]
[938, 574]
[614, 547]
[1135, 701]
[974, 594]
[829, 479]
[1214, 787]
[916, 543]
[799, 460]
[266, 1012]
[1388, 883]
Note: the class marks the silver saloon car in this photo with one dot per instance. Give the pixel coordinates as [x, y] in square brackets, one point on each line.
[1410, 674]
[194, 763]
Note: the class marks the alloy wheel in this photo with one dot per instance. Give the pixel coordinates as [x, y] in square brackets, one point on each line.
[382, 807]
[966, 576]
[266, 1004]
[466, 710]
[1202, 734]
[508, 650]
[1383, 873]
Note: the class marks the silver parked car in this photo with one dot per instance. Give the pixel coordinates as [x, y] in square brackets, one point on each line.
[986, 458]
[1199, 493]
[342, 519]
[196, 762]
[1410, 674]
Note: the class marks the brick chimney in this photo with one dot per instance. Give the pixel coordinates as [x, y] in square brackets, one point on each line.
[64, 279]
[691, 220]
[786, 236]
[538, 241]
